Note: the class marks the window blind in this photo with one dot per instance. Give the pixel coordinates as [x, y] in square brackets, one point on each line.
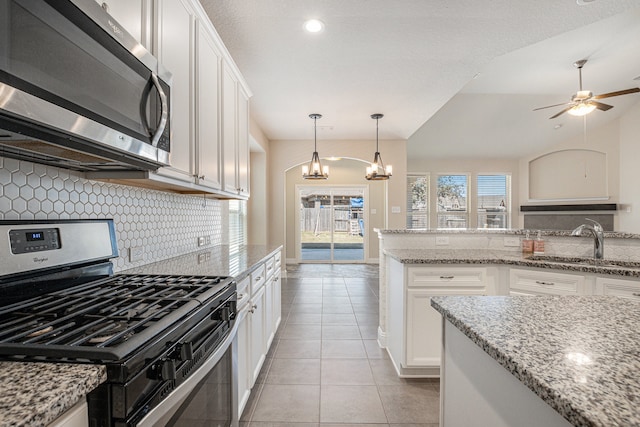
[417, 201]
[493, 200]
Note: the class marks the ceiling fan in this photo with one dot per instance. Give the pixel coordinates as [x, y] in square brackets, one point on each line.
[583, 102]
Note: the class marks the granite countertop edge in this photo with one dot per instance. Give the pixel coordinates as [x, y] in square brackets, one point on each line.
[488, 257]
[508, 232]
[35, 394]
[559, 401]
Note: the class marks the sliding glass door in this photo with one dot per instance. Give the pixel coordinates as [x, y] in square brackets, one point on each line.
[331, 224]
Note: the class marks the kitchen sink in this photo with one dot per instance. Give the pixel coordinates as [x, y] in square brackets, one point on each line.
[585, 261]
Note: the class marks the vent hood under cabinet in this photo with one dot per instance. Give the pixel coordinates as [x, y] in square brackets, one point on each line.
[79, 92]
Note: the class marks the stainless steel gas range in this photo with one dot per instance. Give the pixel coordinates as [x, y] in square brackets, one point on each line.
[164, 339]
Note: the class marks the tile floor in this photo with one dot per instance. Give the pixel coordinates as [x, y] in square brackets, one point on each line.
[325, 367]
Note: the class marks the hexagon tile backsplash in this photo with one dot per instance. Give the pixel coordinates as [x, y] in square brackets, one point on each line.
[163, 224]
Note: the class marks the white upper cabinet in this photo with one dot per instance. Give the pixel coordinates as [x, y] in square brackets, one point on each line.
[209, 99]
[174, 48]
[208, 111]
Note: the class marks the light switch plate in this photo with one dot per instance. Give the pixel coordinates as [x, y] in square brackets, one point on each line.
[395, 209]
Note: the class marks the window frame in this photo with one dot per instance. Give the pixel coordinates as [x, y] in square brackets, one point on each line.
[459, 215]
[410, 211]
[483, 223]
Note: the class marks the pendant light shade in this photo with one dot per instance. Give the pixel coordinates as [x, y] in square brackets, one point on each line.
[315, 170]
[377, 171]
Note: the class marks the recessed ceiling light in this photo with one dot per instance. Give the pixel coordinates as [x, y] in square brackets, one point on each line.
[584, 2]
[314, 25]
[558, 126]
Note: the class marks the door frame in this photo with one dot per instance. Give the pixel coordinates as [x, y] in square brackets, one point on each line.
[365, 213]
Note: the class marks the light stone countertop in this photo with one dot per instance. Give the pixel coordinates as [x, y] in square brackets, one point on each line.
[579, 354]
[496, 257]
[502, 231]
[35, 394]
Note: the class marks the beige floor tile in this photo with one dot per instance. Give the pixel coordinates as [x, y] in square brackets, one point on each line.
[410, 403]
[300, 332]
[304, 318]
[339, 319]
[343, 349]
[369, 332]
[307, 299]
[368, 318]
[351, 404]
[337, 308]
[340, 332]
[278, 424]
[300, 349]
[364, 308]
[346, 372]
[384, 373]
[306, 308]
[329, 300]
[374, 351]
[294, 371]
[288, 403]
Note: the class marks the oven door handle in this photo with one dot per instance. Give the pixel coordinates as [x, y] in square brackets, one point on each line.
[162, 413]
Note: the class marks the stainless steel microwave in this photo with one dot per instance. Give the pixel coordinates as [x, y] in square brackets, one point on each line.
[77, 91]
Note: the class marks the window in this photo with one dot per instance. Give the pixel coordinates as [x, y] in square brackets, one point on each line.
[417, 201]
[237, 224]
[494, 201]
[452, 210]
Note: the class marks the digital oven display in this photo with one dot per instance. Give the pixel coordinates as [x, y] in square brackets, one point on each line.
[34, 236]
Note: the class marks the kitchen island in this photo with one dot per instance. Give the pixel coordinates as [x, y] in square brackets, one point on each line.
[548, 360]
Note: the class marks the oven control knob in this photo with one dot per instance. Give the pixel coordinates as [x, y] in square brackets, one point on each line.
[164, 370]
[186, 351]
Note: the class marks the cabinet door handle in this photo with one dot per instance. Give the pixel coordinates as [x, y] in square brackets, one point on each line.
[446, 277]
[540, 282]
[164, 114]
[254, 306]
[258, 279]
[636, 294]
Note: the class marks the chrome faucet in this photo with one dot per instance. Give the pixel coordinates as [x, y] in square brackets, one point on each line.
[598, 236]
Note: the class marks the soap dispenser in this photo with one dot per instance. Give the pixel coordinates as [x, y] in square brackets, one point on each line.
[538, 245]
[527, 245]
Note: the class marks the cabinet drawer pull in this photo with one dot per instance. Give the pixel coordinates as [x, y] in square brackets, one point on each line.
[540, 282]
[241, 296]
[254, 306]
[258, 279]
[636, 294]
[446, 277]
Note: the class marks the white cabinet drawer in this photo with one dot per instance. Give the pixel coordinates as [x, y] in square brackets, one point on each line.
[277, 259]
[446, 278]
[258, 278]
[270, 267]
[535, 282]
[243, 289]
[618, 287]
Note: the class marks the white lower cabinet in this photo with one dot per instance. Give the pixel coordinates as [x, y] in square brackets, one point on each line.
[258, 317]
[78, 416]
[537, 282]
[415, 328]
[618, 287]
[243, 341]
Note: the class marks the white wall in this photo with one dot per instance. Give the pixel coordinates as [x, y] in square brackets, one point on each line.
[630, 171]
[258, 205]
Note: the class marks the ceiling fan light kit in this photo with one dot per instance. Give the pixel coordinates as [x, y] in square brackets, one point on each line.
[377, 171]
[315, 170]
[584, 101]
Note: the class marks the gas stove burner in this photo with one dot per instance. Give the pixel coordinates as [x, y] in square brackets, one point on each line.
[104, 332]
[43, 329]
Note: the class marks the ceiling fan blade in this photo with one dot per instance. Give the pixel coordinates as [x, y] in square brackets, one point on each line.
[601, 106]
[618, 93]
[561, 112]
[551, 106]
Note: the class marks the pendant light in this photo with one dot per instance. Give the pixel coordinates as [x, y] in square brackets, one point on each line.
[377, 171]
[315, 170]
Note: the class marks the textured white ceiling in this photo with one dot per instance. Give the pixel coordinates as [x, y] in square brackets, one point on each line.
[407, 59]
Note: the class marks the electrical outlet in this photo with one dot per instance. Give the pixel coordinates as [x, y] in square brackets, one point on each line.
[136, 254]
[442, 240]
[204, 241]
[203, 257]
[512, 241]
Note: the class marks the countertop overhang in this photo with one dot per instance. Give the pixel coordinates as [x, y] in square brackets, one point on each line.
[579, 354]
